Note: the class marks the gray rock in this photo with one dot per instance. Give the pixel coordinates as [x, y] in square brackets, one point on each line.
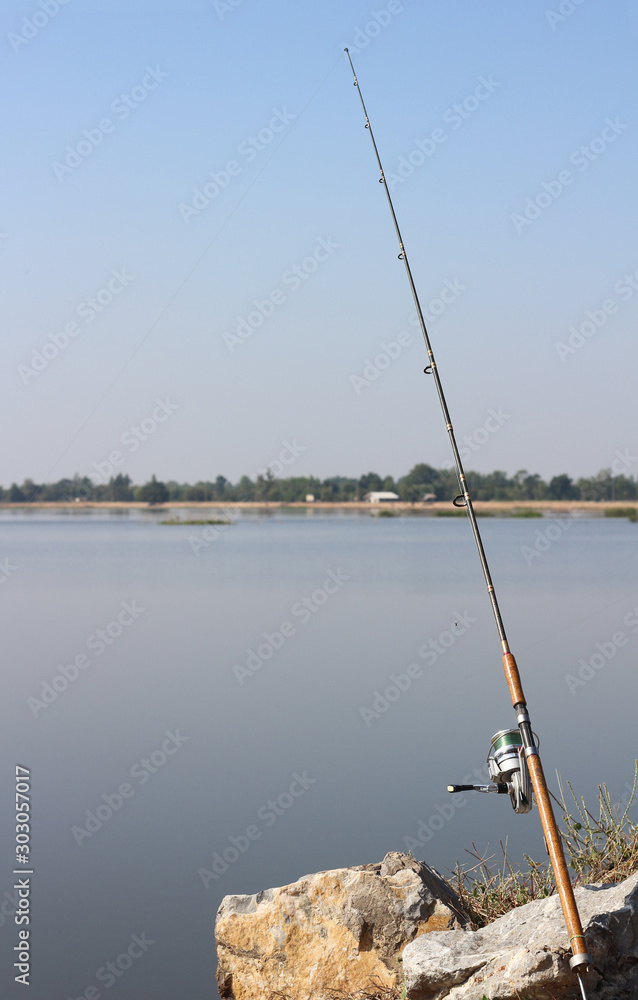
[524, 955]
[341, 930]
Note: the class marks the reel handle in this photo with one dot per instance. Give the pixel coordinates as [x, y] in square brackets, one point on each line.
[497, 789]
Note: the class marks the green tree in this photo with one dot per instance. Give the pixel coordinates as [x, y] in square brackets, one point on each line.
[32, 492]
[200, 492]
[562, 488]
[328, 491]
[347, 488]
[15, 494]
[529, 487]
[265, 487]
[120, 488]
[624, 488]
[370, 483]
[495, 486]
[153, 492]
[64, 490]
[422, 479]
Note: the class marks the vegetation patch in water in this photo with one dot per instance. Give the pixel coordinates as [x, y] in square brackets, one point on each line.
[629, 512]
[175, 520]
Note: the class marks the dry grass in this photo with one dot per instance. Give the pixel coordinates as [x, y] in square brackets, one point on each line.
[373, 992]
[598, 849]
[488, 892]
[603, 849]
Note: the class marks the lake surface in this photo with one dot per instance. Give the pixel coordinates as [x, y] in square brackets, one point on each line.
[243, 680]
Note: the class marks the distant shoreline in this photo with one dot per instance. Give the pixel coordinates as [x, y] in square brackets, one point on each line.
[481, 506]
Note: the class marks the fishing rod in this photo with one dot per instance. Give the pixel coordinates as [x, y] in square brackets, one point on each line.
[514, 762]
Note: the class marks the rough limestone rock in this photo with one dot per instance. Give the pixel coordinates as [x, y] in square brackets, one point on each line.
[336, 930]
[525, 954]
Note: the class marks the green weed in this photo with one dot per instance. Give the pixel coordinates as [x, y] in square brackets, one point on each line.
[598, 849]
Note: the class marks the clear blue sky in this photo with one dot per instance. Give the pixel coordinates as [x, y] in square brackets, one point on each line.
[177, 94]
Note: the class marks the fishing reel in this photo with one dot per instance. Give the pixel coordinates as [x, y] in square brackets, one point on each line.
[508, 771]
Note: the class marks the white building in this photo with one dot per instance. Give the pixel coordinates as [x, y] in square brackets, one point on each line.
[381, 497]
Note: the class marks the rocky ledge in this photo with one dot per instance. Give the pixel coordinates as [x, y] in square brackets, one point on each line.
[382, 925]
[336, 930]
[525, 954]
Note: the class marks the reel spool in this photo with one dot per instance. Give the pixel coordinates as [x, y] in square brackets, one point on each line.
[507, 768]
[507, 765]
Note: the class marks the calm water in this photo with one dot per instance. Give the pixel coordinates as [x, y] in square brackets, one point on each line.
[169, 734]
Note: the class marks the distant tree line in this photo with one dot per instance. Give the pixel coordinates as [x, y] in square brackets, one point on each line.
[422, 481]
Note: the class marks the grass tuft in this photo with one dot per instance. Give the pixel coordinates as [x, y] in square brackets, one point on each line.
[598, 849]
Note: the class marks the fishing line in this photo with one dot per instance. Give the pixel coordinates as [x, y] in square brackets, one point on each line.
[514, 761]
